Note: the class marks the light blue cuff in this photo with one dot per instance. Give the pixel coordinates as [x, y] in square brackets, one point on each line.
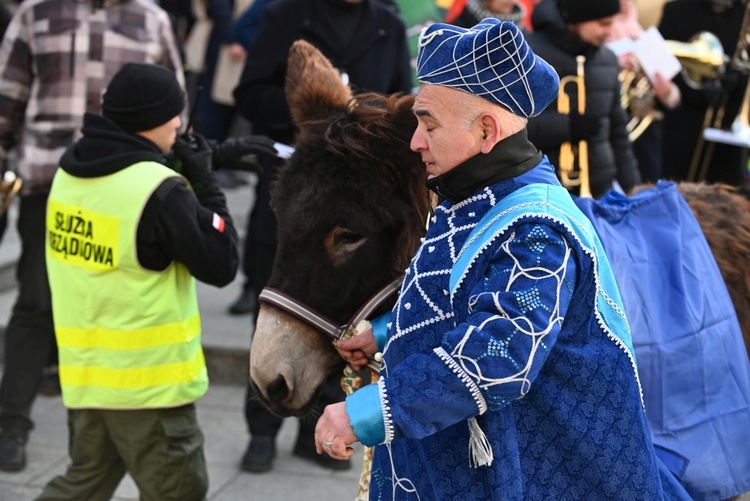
[366, 415]
[380, 329]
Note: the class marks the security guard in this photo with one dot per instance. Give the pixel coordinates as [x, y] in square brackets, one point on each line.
[126, 238]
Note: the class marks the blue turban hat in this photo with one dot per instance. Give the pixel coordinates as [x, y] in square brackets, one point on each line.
[490, 60]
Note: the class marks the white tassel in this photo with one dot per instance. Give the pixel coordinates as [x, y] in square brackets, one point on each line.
[480, 451]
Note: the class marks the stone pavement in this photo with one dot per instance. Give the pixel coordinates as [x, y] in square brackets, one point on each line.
[226, 340]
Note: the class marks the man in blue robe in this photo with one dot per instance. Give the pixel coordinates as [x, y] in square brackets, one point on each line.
[507, 363]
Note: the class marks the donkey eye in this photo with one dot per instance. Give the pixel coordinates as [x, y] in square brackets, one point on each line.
[349, 237]
[341, 243]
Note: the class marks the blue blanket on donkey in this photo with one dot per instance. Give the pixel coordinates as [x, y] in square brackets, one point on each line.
[691, 358]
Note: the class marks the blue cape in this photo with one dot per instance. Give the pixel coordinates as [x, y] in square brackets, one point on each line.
[691, 357]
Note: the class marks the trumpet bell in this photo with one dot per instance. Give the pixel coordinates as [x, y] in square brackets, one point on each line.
[702, 58]
[9, 188]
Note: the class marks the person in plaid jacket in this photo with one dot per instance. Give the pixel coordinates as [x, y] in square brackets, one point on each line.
[56, 59]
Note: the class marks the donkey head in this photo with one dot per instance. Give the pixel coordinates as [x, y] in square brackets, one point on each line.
[350, 205]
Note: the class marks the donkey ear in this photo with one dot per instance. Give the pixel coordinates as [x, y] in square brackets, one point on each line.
[314, 88]
[403, 116]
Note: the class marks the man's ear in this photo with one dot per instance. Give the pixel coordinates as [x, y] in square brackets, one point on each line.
[491, 132]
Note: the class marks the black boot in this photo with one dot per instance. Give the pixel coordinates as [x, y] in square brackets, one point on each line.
[259, 455]
[13, 449]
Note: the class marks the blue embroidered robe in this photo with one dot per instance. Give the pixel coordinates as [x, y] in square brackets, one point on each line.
[519, 348]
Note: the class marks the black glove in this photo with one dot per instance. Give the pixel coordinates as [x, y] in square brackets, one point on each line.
[583, 126]
[230, 154]
[194, 154]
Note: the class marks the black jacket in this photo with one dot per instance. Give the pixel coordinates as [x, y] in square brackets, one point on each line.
[177, 223]
[376, 58]
[610, 151]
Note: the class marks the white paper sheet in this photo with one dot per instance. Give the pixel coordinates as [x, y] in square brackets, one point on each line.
[654, 55]
[283, 150]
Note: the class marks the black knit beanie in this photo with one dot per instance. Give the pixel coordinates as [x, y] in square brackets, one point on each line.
[141, 97]
[579, 11]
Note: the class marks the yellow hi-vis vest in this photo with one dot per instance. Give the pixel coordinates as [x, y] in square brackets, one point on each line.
[128, 337]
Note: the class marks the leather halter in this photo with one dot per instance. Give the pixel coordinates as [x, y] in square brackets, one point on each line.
[320, 322]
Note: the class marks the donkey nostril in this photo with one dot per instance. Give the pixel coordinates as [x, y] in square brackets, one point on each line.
[278, 390]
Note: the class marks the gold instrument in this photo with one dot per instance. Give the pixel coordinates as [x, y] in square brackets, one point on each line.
[637, 96]
[9, 188]
[569, 177]
[712, 123]
[702, 60]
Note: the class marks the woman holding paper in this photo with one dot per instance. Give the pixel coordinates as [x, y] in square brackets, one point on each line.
[645, 102]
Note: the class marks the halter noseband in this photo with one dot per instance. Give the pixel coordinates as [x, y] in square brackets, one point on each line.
[320, 322]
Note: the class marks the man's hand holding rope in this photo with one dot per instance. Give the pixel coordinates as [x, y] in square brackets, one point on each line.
[357, 350]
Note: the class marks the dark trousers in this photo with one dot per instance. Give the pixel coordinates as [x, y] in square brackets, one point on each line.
[30, 335]
[162, 449]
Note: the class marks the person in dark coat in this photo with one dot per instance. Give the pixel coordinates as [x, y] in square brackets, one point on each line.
[683, 126]
[366, 41]
[564, 29]
[245, 28]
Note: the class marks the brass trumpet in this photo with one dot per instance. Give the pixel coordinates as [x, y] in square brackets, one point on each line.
[9, 188]
[569, 176]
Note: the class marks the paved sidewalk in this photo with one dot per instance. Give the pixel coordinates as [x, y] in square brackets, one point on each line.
[221, 418]
[226, 340]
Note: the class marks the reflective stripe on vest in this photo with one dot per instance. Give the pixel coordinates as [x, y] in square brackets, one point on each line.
[128, 337]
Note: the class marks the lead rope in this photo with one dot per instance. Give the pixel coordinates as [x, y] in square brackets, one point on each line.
[351, 382]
